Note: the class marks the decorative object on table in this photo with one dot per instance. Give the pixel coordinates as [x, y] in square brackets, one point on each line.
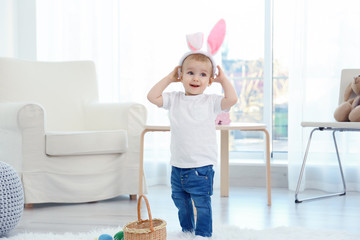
[349, 110]
[11, 198]
[150, 229]
[223, 119]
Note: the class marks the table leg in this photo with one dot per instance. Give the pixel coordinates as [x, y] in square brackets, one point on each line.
[268, 170]
[141, 167]
[224, 163]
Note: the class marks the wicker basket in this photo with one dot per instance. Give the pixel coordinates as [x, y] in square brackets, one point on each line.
[151, 229]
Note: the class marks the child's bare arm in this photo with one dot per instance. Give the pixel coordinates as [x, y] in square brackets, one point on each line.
[155, 94]
[230, 96]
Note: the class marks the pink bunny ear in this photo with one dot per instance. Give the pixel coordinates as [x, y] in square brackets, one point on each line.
[216, 37]
[195, 41]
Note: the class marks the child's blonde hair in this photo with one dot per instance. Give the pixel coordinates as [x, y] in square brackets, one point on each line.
[201, 58]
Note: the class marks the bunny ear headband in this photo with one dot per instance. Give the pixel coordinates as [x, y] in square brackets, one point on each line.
[214, 41]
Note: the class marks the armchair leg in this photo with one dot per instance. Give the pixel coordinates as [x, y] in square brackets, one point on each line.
[28, 205]
[133, 196]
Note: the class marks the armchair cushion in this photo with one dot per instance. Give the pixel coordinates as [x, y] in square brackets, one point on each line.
[86, 142]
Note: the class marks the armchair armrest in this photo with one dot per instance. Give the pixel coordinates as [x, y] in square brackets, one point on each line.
[110, 116]
[20, 123]
[19, 116]
[128, 116]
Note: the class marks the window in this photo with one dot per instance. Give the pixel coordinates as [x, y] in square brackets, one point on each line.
[139, 47]
[282, 31]
[244, 59]
[248, 75]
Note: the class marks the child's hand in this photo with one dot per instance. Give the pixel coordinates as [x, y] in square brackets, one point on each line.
[155, 93]
[174, 75]
[220, 76]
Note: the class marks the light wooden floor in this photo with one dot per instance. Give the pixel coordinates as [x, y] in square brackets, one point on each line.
[246, 208]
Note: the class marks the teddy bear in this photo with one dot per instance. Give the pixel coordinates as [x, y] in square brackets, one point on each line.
[349, 110]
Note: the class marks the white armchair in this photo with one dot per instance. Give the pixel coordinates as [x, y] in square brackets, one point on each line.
[65, 145]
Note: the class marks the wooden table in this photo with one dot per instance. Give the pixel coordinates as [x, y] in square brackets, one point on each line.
[224, 153]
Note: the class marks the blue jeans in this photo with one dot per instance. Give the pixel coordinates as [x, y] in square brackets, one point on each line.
[195, 184]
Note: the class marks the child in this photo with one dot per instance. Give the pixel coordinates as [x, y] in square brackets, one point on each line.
[193, 136]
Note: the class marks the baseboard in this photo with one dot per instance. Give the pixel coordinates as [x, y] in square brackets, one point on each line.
[242, 175]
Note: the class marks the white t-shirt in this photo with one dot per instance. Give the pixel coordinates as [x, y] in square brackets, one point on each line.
[193, 130]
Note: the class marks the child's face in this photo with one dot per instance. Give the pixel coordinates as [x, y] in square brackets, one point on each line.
[195, 76]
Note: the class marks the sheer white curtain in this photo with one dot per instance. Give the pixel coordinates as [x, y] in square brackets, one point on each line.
[81, 30]
[152, 40]
[17, 29]
[7, 29]
[133, 43]
[321, 49]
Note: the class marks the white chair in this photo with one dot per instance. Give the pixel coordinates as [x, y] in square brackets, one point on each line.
[66, 146]
[347, 76]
